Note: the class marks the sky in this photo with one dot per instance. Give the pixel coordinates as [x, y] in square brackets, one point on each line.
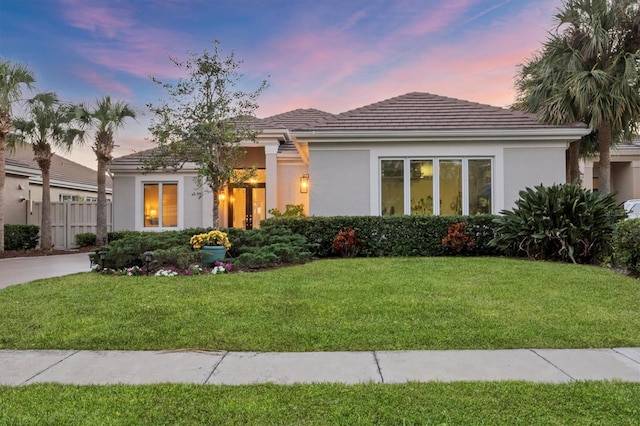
[332, 55]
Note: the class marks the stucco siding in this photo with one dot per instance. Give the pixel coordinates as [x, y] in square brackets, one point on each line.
[15, 211]
[531, 166]
[339, 182]
[289, 186]
[124, 203]
[191, 204]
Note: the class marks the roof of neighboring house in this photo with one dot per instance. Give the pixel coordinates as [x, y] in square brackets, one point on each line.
[62, 169]
[425, 111]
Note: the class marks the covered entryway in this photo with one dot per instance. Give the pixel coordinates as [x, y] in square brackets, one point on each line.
[247, 206]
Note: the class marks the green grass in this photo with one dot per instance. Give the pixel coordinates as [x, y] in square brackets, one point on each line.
[512, 403]
[332, 305]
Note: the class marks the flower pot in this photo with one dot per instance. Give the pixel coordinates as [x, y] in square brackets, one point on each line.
[209, 254]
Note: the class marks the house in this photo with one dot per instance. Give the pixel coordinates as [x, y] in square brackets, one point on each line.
[417, 153]
[625, 171]
[69, 181]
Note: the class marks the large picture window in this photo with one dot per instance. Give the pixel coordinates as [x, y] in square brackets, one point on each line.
[461, 186]
[160, 205]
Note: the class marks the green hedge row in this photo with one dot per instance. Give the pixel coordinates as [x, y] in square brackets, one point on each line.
[21, 237]
[392, 235]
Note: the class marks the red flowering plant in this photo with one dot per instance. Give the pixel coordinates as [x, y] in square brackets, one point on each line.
[457, 238]
[347, 244]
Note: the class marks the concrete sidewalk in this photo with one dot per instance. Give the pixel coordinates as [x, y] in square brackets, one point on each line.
[20, 270]
[19, 367]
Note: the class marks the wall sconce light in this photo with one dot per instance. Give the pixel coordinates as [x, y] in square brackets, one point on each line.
[22, 199]
[304, 183]
[222, 197]
[148, 256]
[20, 187]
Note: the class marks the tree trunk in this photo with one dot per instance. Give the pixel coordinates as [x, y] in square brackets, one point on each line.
[604, 144]
[101, 225]
[45, 221]
[3, 147]
[216, 209]
[573, 162]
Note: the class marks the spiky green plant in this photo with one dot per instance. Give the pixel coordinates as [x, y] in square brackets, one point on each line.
[560, 222]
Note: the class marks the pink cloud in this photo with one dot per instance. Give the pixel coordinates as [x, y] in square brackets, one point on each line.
[132, 47]
[479, 67]
[104, 84]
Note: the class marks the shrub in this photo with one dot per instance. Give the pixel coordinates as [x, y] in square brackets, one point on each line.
[21, 237]
[291, 210]
[347, 244]
[391, 235]
[457, 238]
[560, 222]
[626, 242]
[128, 250]
[85, 239]
[180, 257]
[265, 247]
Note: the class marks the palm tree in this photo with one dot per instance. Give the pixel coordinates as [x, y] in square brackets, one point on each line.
[12, 77]
[105, 117]
[48, 126]
[589, 70]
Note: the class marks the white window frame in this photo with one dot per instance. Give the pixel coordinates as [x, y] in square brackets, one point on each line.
[139, 195]
[436, 180]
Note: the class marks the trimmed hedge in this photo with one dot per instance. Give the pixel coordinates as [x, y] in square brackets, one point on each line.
[21, 237]
[392, 235]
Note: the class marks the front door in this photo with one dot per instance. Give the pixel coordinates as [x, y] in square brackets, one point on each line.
[247, 206]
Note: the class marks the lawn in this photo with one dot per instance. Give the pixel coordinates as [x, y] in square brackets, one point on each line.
[513, 403]
[356, 304]
[332, 305]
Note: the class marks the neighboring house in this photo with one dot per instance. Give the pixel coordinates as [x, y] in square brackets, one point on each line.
[625, 171]
[393, 157]
[69, 181]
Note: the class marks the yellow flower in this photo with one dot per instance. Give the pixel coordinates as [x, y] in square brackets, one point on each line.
[212, 238]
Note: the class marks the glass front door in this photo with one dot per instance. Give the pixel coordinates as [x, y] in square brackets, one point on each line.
[247, 206]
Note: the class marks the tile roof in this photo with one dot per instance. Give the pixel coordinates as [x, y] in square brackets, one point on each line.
[425, 111]
[298, 118]
[62, 169]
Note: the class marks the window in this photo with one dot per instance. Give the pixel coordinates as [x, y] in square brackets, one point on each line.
[460, 185]
[67, 198]
[160, 205]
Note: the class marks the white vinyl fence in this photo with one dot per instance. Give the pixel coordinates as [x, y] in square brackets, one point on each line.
[68, 219]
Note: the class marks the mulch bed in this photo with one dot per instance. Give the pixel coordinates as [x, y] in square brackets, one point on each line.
[8, 254]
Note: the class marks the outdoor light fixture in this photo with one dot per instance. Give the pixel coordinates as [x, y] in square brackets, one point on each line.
[221, 197]
[102, 255]
[304, 183]
[148, 255]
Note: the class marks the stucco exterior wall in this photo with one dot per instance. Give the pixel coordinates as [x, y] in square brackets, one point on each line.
[289, 185]
[191, 204]
[124, 203]
[15, 211]
[528, 166]
[339, 181]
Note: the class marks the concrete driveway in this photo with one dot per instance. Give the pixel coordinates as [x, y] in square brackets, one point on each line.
[20, 270]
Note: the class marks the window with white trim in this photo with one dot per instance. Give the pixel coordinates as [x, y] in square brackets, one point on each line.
[160, 205]
[461, 186]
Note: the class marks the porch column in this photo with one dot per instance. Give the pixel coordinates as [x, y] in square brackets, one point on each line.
[635, 174]
[271, 165]
[586, 167]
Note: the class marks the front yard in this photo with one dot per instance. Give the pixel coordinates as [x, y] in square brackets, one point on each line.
[332, 305]
[354, 304]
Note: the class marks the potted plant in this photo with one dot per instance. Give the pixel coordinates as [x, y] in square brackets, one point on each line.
[213, 246]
